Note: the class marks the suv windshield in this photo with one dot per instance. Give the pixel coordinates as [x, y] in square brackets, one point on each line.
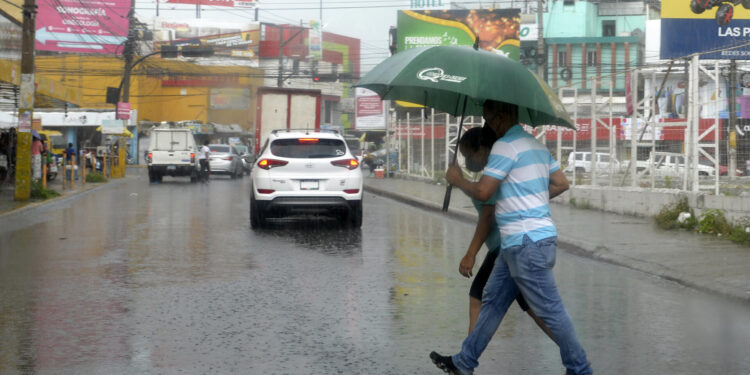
[308, 148]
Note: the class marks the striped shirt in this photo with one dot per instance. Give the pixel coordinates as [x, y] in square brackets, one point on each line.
[523, 165]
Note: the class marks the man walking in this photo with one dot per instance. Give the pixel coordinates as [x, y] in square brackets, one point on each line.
[203, 155]
[523, 176]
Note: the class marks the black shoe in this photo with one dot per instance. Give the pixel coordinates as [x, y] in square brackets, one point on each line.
[446, 364]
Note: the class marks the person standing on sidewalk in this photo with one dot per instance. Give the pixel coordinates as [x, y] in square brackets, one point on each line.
[523, 176]
[203, 155]
[36, 158]
[475, 146]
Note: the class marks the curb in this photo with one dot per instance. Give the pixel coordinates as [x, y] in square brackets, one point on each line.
[588, 250]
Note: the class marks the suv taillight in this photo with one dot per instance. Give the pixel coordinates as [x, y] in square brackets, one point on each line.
[150, 157]
[271, 163]
[192, 157]
[346, 163]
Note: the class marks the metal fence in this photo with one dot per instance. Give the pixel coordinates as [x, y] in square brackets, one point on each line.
[668, 128]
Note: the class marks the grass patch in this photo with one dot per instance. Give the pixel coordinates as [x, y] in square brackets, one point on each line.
[95, 177]
[739, 233]
[38, 192]
[713, 222]
[667, 217]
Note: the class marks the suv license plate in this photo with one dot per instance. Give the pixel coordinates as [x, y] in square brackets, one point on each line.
[171, 168]
[308, 185]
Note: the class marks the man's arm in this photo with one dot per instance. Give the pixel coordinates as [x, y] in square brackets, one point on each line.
[558, 183]
[481, 190]
[484, 226]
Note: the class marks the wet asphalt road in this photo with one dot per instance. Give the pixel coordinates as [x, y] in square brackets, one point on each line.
[168, 278]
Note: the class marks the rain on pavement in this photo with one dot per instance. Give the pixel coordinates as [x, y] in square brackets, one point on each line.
[168, 278]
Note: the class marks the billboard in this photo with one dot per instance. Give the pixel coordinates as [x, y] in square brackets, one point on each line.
[231, 40]
[370, 112]
[88, 26]
[498, 29]
[719, 30]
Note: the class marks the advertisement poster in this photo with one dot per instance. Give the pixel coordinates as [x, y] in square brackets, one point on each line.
[316, 40]
[718, 30]
[370, 111]
[84, 26]
[498, 30]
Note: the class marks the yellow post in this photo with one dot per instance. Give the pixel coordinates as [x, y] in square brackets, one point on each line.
[83, 170]
[44, 174]
[62, 172]
[71, 162]
[104, 165]
[123, 157]
[23, 166]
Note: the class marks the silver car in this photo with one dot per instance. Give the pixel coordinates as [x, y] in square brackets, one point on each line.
[246, 157]
[224, 159]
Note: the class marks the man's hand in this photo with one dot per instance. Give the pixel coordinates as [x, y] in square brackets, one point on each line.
[467, 264]
[454, 175]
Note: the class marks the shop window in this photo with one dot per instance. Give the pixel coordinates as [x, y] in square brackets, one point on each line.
[608, 28]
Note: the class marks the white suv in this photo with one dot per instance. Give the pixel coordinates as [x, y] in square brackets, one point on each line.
[304, 171]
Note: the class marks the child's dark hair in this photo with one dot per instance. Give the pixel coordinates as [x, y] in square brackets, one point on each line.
[475, 138]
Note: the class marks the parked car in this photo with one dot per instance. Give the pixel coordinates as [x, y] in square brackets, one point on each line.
[723, 169]
[246, 157]
[672, 164]
[306, 172]
[224, 159]
[172, 152]
[581, 162]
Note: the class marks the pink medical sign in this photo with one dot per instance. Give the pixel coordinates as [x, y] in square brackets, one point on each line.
[84, 26]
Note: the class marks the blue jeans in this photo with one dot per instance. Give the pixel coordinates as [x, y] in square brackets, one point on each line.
[527, 268]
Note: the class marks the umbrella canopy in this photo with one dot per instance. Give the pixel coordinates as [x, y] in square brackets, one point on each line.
[441, 77]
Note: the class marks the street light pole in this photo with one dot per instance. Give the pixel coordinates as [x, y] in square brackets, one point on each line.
[26, 111]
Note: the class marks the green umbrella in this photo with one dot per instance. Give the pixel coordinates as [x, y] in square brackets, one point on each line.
[442, 77]
[458, 80]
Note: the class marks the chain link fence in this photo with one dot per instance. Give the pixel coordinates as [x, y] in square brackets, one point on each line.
[667, 127]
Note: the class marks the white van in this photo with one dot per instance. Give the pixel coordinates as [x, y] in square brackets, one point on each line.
[671, 164]
[172, 152]
[581, 162]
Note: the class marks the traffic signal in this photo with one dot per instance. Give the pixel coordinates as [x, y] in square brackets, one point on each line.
[189, 51]
[171, 52]
[327, 77]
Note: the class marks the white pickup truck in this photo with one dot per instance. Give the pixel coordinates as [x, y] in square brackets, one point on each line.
[172, 152]
[671, 164]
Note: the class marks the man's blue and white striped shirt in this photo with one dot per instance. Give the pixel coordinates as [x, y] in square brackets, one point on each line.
[524, 165]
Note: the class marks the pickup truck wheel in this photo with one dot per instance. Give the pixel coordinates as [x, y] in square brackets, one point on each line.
[257, 219]
[193, 177]
[151, 178]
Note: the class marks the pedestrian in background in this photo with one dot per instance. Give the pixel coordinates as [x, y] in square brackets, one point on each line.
[36, 158]
[203, 155]
[70, 152]
[523, 176]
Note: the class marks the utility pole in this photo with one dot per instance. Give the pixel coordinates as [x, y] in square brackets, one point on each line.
[128, 53]
[26, 111]
[541, 64]
[280, 79]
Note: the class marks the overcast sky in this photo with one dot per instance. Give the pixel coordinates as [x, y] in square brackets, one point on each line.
[368, 21]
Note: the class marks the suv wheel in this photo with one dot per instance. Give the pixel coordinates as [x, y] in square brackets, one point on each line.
[257, 219]
[354, 219]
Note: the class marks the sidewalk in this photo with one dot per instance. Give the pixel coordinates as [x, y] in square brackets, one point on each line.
[8, 204]
[702, 262]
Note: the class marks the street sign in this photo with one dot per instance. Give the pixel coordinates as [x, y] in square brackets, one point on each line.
[123, 111]
[112, 126]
